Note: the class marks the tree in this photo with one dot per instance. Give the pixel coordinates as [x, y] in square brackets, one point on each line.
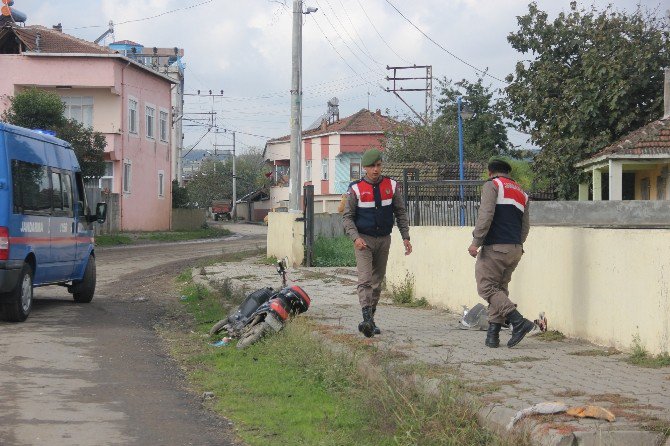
[484, 134]
[214, 181]
[39, 109]
[180, 197]
[591, 78]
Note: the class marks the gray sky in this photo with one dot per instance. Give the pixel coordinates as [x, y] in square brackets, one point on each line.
[244, 48]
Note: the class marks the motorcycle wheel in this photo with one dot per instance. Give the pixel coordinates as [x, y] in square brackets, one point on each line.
[216, 328]
[254, 334]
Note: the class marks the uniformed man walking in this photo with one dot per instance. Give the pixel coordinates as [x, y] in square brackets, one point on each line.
[369, 211]
[501, 229]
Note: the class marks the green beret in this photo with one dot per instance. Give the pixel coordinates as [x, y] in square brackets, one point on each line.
[500, 161]
[370, 157]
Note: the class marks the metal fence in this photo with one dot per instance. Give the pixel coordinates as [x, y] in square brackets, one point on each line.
[442, 203]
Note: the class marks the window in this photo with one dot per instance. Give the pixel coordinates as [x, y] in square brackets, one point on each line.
[163, 126]
[308, 170]
[282, 174]
[151, 121]
[79, 108]
[107, 179]
[161, 187]
[324, 169]
[61, 195]
[127, 176]
[355, 170]
[132, 116]
[31, 188]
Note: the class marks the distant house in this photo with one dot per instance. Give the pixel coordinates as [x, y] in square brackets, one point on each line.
[128, 102]
[636, 166]
[331, 155]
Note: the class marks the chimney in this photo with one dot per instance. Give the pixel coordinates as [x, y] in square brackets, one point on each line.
[58, 28]
[666, 94]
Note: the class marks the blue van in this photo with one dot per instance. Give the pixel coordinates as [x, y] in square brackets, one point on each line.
[46, 236]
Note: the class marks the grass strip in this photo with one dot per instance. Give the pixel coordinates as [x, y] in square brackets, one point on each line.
[337, 251]
[132, 238]
[294, 388]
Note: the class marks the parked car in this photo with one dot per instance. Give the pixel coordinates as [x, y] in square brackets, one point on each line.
[46, 236]
[221, 209]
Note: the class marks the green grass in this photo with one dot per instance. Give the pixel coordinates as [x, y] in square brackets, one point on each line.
[338, 251]
[403, 294]
[551, 335]
[641, 357]
[162, 236]
[113, 240]
[292, 388]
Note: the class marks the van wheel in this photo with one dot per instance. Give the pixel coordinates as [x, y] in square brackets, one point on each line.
[83, 289]
[21, 298]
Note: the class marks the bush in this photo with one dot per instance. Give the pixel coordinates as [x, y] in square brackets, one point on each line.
[338, 251]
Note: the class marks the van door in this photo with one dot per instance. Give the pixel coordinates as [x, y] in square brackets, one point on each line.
[63, 229]
[84, 232]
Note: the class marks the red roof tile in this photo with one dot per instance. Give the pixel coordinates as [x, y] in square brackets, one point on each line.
[652, 139]
[363, 121]
[52, 41]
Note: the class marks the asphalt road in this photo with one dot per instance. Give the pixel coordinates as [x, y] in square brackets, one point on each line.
[98, 374]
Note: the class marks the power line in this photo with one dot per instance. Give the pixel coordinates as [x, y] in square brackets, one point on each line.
[379, 34]
[483, 72]
[146, 18]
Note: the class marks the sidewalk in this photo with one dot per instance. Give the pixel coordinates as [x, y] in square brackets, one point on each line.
[505, 380]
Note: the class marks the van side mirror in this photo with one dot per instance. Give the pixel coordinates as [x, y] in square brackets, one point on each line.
[101, 212]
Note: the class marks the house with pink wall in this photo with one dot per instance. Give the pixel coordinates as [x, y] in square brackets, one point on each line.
[331, 157]
[126, 101]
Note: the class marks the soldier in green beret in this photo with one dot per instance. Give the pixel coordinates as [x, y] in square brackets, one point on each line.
[371, 205]
[500, 231]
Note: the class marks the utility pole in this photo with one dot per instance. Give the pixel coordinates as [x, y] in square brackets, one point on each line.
[296, 108]
[427, 118]
[234, 209]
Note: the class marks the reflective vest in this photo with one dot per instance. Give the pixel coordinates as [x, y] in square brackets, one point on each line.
[374, 208]
[510, 206]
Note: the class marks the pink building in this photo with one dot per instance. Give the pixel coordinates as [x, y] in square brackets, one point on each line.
[331, 157]
[126, 101]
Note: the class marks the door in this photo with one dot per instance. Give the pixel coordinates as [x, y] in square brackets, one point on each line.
[63, 230]
[84, 232]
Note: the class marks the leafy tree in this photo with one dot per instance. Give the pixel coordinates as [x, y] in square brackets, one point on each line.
[214, 181]
[590, 77]
[483, 135]
[179, 196]
[34, 108]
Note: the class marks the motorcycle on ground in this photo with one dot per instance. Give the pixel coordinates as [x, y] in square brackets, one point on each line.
[264, 311]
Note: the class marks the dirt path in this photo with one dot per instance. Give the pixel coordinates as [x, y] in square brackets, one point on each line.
[98, 374]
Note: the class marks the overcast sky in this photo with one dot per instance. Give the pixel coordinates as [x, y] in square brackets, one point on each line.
[243, 47]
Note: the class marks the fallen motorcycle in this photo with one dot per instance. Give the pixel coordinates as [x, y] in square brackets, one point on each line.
[264, 311]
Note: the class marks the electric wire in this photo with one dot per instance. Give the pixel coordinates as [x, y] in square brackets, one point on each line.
[483, 72]
[145, 18]
[379, 34]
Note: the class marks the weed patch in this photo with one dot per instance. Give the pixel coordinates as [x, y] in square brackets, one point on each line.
[403, 293]
[112, 240]
[641, 357]
[338, 251]
[551, 335]
[567, 393]
[597, 352]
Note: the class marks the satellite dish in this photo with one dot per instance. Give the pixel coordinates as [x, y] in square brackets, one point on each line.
[334, 102]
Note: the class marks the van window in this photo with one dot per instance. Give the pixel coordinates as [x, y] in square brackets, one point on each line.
[62, 193]
[31, 188]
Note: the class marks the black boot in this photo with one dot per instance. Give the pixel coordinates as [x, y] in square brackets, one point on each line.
[493, 335]
[367, 327]
[520, 327]
[376, 329]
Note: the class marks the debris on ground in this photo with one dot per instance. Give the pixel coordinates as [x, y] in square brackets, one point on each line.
[541, 322]
[539, 408]
[475, 318]
[591, 412]
[222, 343]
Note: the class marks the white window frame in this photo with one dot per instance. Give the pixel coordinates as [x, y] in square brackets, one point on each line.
[163, 113]
[84, 103]
[308, 170]
[127, 175]
[108, 176]
[325, 168]
[161, 184]
[353, 162]
[150, 127]
[133, 119]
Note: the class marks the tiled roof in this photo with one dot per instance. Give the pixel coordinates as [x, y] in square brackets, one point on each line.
[652, 139]
[52, 41]
[436, 171]
[362, 121]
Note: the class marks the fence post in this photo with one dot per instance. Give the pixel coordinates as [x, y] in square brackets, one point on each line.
[308, 194]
